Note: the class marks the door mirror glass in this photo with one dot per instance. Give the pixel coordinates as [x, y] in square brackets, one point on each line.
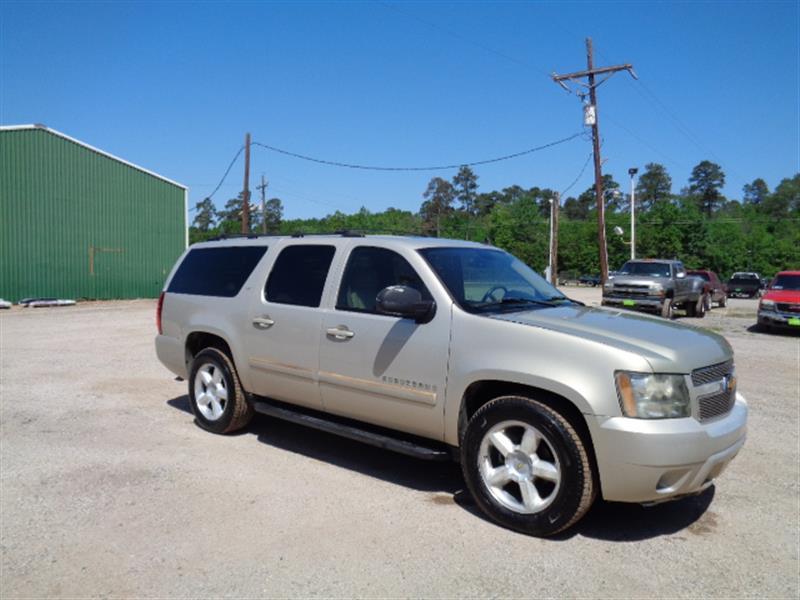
[680, 274]
[406, 302]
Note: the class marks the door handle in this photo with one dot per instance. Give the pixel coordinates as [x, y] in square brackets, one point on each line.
[263, 322]
[340, 333]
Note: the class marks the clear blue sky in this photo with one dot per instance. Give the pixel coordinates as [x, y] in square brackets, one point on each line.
[174, 87]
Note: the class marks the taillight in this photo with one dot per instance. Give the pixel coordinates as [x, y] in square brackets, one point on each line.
[158, 313]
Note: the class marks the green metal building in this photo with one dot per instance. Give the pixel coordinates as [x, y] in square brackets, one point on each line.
[77, 222]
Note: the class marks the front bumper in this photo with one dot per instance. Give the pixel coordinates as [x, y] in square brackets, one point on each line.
[646, 461]
[773, 318]
[650, 303]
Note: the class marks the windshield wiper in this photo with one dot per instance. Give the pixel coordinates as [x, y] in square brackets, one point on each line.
[520, 301]
[565, 299]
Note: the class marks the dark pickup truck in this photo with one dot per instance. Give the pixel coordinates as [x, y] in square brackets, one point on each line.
[747, 286]
[657, 286]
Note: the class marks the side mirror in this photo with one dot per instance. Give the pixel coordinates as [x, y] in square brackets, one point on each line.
[406, 302]
[680, 274]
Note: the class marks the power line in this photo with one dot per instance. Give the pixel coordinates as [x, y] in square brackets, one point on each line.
[345, 165]
[582, 171]
[228, 170]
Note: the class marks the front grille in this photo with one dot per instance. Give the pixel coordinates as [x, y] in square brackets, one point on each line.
[786, 307]
[715, 405]
[716, 372]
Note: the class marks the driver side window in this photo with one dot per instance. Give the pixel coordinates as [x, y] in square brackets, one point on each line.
[368, 271]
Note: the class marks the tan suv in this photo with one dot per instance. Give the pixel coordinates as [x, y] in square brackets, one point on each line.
[445, 349]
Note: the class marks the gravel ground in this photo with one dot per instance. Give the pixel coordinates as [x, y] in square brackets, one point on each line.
[108, 489]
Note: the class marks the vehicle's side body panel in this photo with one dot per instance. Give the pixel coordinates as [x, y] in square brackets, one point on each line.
[387, 371]
[548, 363]
[281, 341]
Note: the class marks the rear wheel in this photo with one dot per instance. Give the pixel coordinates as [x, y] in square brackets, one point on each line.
[723, 301]
[215, 394]
[526, 466]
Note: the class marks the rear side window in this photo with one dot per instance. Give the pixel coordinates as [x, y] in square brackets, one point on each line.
[216, 271]
[299, 274]
[368, 271]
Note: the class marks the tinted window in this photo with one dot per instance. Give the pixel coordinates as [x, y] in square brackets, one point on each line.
[645, 268]
[216, 271]
[299, 275]
[368, 271]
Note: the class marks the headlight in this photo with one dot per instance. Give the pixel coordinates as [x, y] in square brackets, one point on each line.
[767, 305]
[656, 289]
[608, 284]
[653, 396]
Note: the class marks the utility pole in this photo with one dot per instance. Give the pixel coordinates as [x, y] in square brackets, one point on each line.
[591, 119]
[554, 242]
[246, 193]
[263, 188]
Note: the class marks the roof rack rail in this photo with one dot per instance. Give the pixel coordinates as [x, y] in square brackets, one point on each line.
[234, 236]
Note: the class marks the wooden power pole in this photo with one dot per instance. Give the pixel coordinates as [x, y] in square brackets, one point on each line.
[263, 188]
[554, 249]
[246, 192]
[590, 118]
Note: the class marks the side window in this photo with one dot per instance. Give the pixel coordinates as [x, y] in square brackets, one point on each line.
[299, 274]
[216, 271]
[368, 271]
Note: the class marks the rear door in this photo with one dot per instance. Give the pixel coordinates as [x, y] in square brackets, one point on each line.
[282, 333]
[382, 369]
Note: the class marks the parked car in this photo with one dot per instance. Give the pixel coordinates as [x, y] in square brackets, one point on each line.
[746, 285]
[444, 349]
[592, 280]
[780, 306]
[658, 286]
[714, 289]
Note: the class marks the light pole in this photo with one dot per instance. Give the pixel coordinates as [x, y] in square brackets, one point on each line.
[632, 172]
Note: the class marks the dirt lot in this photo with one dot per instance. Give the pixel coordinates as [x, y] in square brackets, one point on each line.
[108, 489]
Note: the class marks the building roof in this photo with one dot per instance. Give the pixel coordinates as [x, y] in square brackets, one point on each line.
[92, 148]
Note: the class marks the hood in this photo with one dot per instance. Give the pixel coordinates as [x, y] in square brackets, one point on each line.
[669, 347]
[790, 296]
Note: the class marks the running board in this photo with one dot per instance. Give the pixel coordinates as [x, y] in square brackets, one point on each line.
[360, 432]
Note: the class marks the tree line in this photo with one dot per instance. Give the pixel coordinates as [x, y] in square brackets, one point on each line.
[698, 224]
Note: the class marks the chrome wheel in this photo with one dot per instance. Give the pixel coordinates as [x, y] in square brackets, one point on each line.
[519, 467]
[210, 391]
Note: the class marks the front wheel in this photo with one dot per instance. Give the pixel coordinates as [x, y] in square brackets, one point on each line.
[698, 308]
[526, 466]
[666, 308]
[215, 394]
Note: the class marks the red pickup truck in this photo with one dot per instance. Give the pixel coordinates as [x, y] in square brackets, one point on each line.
[714, 289]
[780, 306]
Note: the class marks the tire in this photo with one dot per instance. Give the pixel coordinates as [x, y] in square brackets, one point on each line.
[698, 309]
[212, 375]
[723, 301]
[666, 308]
[541, 486]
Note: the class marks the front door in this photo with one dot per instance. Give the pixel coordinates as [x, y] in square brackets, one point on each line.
[282, 335]
[378, 368]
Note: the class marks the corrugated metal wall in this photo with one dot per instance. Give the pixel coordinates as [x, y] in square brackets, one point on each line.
[77, 224]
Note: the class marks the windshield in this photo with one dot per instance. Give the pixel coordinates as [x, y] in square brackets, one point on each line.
[786, 282]
[485, 280]
[651, 269]
[744, 281]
